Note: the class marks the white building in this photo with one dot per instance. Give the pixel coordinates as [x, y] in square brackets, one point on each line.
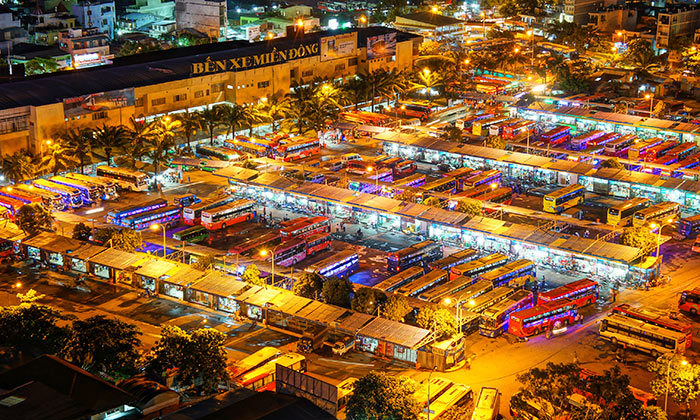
[98, 14]
[206, 16]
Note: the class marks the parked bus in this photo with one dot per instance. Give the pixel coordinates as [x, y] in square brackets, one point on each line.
[621, 214]
[415, 180]
[309, 226]
[581, 292]
[421, 254]
[254, 361]
[192, 215]
[51, 199]
[289, 253]
[459, 257]
[689, 227]
[430, 389]
[193, 234]
[690, 301]
[251, 149]
[482, 302]
[257, 243]
[476, 267]
[582, 141]
[497, 129]
[298, 149]
[659, 150]
[168, 216]
[90, 192]
[341, 264]
[544, 317]
[657, 319]
[502, 195]
[263, 378]
[557, 135]
[25, 197]
[317, 243]
[455, 396]
[502, 275]
[519, 129]
[71, 196]
[488, 405]
[480, 128]
[344, 390]
[618, 147]
[228, 214]
[425, 282]
[662, 211]
[115, 216]
[466, 295]
[365, 118]
[604, 139]
[683, 150]
[494, 320]
[447, 185]
[420, 110]
[565, 198]
[437, 293]
[218, 153]
[128, 179]
[490, 177]
[646, 337]
[107, 187]
[11, 204]
[404, 168]
[477, 191]
[639, 150]
[401, 278]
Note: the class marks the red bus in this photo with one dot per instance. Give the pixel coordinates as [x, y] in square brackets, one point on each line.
[365, 118]
[690, 301]
[656, 319]
[289, 252]
[657, 151]
[543, 317]
[581, 292]
[557, 135]
[420, 110]
[11, 204]
[228, 215]
[22, 196]
[192, 215]
[308, 227]
[297, 149]
[683, 150]
[254, 243]
[317, 243]
[499, 195]
[513, 131]
[405, 167]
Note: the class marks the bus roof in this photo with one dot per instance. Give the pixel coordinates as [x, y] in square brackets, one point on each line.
[566, 190]
[568, 288]
[543, 307]
[506, 268]
[632, 202]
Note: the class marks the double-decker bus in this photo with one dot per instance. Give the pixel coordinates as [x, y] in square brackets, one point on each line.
[91, 193]
[510, 271]
[620, 215]
[689, 227]
[542, 317]
[51, 199]
[499, 195]
[494, 320]
[128, 179]
[582, 141]
[481, 127]
[341, 264]
[254, 361]
[425, 282]
[490, 177]
[639, 150]
[193, 234]
[107, 187]
[317, 243]
[482, 302]
[643, 336]
[487, 405]
[263, 378]
[167, 216]
[663, 210]
[683, 150]
[365, 118]
[256, 243]
[467, 293]
[11, 204]
[71, 196]
[444, 184]
[690, 301]
[618, 147]
[455, 396]
[297, 149]
[228, 214]
[459, 257]
[478, 266]
[604, 139]
[22, 196]
[115, 216]
[309, 226]
[517, 130]
[290, 252]
[401, 278]
[580, 292]
[657, 319]
[557, 135]
[404, 168]
[192, 215]
[565, 198]
[420, 110]
[421, 254]
[219, 153]
[659, 150]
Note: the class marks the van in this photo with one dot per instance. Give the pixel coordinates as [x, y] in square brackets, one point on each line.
[347, 157]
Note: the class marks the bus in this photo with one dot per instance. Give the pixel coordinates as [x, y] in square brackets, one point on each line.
[415, 180]
[71, 196]
[90, 192]
[341, 264]
[256, 243]
[420, 110]
[437, 293]
[478, 266]
[193, 234]
[253, 361]
[51, 199]
[459, 257]
[401, 278]
[618, 147]
[297, 149]
[689, 227]
[127, 179]
[421, 254]
[657, 319]
[430, 389]
[192, 215]
[665, 160]
[317, 243]
[663, 210]
[466, 123]
[219, 153]
[441, 185]
[263, 378]
[639, 150]
[455, 396]
[404, 168]
[690, 301]
[659, 150]
[477, 191]
[502, 195]
[228, 214]
[107, 187]
[604, 139]
[482, 302]
[26, 198]
[365, 118]
[309, 226]
[510, 271]
[621, 214]
[517, 130]
[289, 253]
[580, 292]
[494, 320]
[467, 293]
[497, 129]
[582, 141]
[487, 406]
[490, 177]
[115, 216]
[251, 149]
[565, 198]
[422, 283]
[480, 128]
[683, 150]
[557, 135]
[643, 336]
[11, 204]
[543, 317]
[168, 216]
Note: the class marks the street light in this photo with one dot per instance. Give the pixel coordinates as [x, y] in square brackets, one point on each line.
[376, 176]
[155, 228]
[263, 253]
[650, 96]
[483, 23]
[448, 302]
[668, 378]
[427, 410]
[426, 71]
[658, 234]
[435, 9]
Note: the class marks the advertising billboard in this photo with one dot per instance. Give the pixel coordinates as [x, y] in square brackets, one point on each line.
[338, 46]
[381, 46]
[94, 102]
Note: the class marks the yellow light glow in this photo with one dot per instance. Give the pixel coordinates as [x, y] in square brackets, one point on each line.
[166, 118]
[18, 284]
[670, 220]
[264, 253]
[403, 106]
[466, 61]
[472, 302]
[613, 49]
[300, 23]
[619, 33]
[426, 71]
[516, 50]
[363, 19]
[653, 225]
[529, 33]
[483, 15]
[48, 142]
[155, 226]
[448, 301]
[369, 169]
[684, 362]
[435, 9]
[494, 185]
[647, 96]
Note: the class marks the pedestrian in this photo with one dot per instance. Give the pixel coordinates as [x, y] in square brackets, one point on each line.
[188, 179]
[614, 295]
[646, 285]
[586, 234]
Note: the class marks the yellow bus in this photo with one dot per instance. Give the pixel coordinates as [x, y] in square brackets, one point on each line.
[565, 198]
[663, 210]
[621, 213]
[480, 128]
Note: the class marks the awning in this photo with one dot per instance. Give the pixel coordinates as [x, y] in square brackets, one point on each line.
[395, 332]
[85, 251]
[186, 276]
[219, 284]
[354, 322]
[155, 269]
[115, 258]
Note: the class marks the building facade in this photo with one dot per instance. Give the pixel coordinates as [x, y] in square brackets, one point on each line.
[613, 19]
[87, 47]
[675, 22]
[206, 16]
[577, 11]
[99, 14]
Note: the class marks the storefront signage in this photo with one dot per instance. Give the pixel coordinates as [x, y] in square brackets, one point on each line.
[210, 66]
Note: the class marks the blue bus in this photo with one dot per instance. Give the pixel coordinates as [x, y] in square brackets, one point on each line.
[115, 216]
[71, 196]
[341, 264]
[168, 216]
[689, 226]
[91, 193]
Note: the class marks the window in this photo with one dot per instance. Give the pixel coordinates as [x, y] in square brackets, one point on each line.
[307, 73]
[340, 67]
[138, 102]
[217, 87]
[199, 94]
[99, 115]
[292, 74]
[179, 98]
[104, 21]
[352, 61]
[159, 101]
[263, 84]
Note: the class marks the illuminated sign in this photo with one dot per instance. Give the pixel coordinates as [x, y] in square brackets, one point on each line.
[338, 46]
[210, 66]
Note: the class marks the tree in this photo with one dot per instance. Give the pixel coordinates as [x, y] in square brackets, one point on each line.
[104, 345]
[59, 157]
[130, 47]
[437, 319]
[640, 237]
[234, 116]
[103, 235]
[109, 138]
[276, 107]
[32, 218]
[495, 142]
[469, 206]
[40, 65]
[161, 140]
[137, 145]
[432, 202]
[425, 81]
[396, 308]
[204, 263]
[212, 118]
[199, 357]
[30, 297]
[31, 326]
[252, 275]
[452, 134]
[367, 300]
[82, 232]
[18, 166]
[405, 195]
[612, 163]
[337, 292]
[126, 239]
[190, 122]
[683, 380]
[380, 396]
[548, 388]
[458, 412]
[640, 56]
[78, 143]
[308, 285]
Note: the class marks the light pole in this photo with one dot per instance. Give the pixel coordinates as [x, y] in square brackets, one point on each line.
[483, 23]
[376, 176]
[531, 34]
[658, 234]
[650, 96]
[427, 409]
[264, 253]
[155, 228]
[668, 379]
[448, 302]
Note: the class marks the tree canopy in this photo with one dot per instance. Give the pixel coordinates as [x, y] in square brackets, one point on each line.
[396, 308]
[32, 218]
[32, 326]
[438, 319]
[367, 300]
[82, 232]
[380, 396]
[640, 237]
[683, 380]
[252, 275]
[308, 285]
[337, 292]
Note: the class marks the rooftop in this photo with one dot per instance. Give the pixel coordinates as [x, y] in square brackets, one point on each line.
[430, 18]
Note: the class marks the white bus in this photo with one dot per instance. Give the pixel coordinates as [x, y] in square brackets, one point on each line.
[456, 395]
[128, 179]
[637, 334]
[487, 407]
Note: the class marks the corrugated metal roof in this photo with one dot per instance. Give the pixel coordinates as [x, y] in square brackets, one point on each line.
[219, 284]
[186, 276]
[394, 332]
[354, 322]
[155, 269]
[115, 258]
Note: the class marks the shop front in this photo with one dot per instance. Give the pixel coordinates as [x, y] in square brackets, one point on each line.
[79, 259]
[392, 340]
[115, 265]
[178, 283]
[149, 275]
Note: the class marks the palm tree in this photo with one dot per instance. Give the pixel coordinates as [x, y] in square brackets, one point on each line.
[161, 140]
[254, 114]
[355, 90]
[377, 83]
[136, 146]
[190, 122]
[78, 142]
[276, 107]
[296, 120]
[233, 116]
[427, 80]
[211, 120]
[58, 158]
[18, 166]
[110, 137]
